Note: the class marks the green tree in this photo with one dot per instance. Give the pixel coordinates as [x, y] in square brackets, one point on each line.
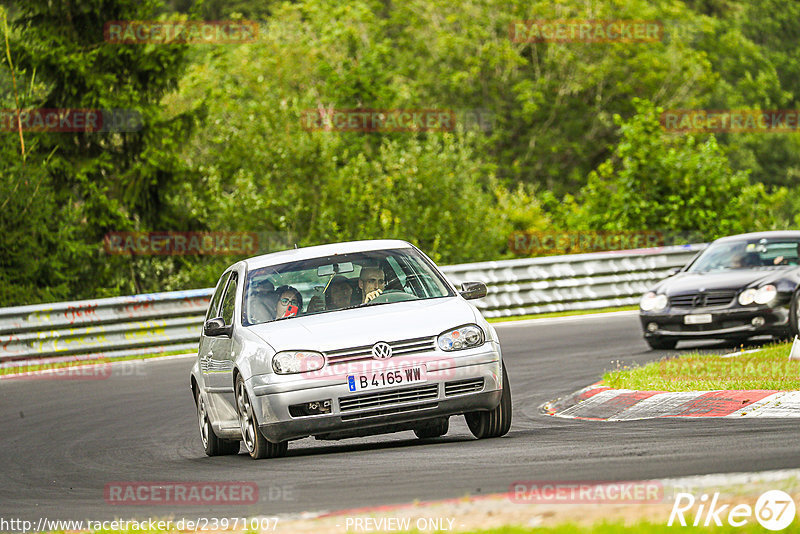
[674, 183]
[99, 182]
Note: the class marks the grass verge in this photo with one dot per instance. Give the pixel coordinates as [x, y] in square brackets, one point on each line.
[767, 368]
[560, 314]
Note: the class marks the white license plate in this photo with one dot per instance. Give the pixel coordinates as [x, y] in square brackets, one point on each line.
[386, 378]
[700, 318]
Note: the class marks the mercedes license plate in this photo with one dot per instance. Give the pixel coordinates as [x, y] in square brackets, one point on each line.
[700, 318]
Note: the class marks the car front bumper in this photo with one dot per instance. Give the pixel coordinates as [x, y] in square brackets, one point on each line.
[455, 384]
[725, 323]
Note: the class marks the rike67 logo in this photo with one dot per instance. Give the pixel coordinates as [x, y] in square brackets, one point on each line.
[774, 510]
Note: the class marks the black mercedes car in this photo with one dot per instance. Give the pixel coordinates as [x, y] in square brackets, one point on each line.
[738, 287]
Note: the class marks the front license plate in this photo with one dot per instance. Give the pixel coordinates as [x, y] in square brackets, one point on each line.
[700, 318]
[386, 378]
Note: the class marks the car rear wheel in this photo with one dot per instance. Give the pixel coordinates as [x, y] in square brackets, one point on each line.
[257, 445]
[493, 423]
[433, 429]
[661, 343]
[213, 445]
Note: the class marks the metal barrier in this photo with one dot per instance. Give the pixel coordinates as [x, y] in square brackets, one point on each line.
[162, 322]
[573, 282]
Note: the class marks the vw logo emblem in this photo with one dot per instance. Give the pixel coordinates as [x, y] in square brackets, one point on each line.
[381, 351]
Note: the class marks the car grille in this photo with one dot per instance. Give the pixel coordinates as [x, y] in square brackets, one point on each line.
[399, 348]
[390, 411]
[461, 387]
[380, 399]
[702, 300]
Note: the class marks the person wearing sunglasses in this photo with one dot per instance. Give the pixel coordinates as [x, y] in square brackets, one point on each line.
[290, 302]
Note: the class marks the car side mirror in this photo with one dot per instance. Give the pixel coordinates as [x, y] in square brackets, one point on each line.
[216, 327]
[473, 290]
[674, 271]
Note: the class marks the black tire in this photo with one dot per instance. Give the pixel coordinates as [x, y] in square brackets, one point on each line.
[433, 429]
[213, 445]
[254, 441]
[794, 316]
[493, 423]
[661, 343]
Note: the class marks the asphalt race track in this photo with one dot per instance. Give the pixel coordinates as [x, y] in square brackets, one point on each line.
[64, 440]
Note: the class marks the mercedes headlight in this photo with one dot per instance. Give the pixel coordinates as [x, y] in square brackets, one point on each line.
[463, 337]
[297, 361]
[652, 302]
[762, 295]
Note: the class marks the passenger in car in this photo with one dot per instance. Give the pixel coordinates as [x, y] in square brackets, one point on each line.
[290, 302]
[339, 294]
[261, 300]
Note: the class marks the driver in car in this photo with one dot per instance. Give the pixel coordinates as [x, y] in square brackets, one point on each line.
[372, 282]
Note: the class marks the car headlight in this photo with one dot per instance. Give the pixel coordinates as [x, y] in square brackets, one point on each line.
[766, 294]
[463, 337]
[652, 302]
[748, 296]
[297, 361]
[762, 295]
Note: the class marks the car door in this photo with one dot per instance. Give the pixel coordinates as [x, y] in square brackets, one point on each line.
[219, 378]
[206, 343]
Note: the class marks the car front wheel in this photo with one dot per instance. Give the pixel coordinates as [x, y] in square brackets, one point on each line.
[257, 445]
[213, 445]
[493, 423]
[794, 315]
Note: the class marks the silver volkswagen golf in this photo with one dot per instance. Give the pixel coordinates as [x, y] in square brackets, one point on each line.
[344, 340]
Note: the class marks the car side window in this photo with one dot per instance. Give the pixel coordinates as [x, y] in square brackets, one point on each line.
[229, 301]
[214, 305]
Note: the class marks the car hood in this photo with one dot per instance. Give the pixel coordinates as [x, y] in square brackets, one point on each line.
[368, 325]
[733, 279]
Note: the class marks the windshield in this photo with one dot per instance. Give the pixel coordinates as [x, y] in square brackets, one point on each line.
[327, 284]
[747, 254]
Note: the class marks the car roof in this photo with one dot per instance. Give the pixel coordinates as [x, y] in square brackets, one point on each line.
[306, 253]
[778, 234]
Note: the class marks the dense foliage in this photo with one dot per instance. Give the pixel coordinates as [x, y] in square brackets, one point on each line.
[549, 135]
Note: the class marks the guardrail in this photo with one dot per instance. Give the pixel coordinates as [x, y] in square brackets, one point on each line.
[161, 322]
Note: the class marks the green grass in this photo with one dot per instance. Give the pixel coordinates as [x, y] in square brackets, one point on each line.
[78, 363]
[561, 314]
[768, 368]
